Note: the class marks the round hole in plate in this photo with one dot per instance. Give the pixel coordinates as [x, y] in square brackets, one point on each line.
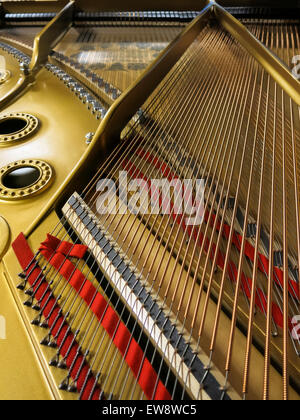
[21, 177]
[16, 126]
[9, 126]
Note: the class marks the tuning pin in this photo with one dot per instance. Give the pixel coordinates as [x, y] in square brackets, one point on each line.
[114, 93]
[24, 68]
[107, 87]
[100, 82]
[89, 138]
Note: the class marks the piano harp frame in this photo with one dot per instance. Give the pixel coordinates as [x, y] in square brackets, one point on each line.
[44, 42]
[108, 133]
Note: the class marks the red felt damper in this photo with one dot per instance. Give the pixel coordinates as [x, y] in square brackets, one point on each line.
[57, 253]
[25, 257]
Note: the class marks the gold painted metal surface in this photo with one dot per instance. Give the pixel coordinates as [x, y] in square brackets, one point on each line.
[18, 89]
[4, 237]
[4, 76]
[21, 36]
[52, 143]
[21, 374]
[48, 388]
[11, 65]
[41, 385]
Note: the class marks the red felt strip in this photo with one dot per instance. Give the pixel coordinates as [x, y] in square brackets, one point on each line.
[25, 257]
[249, 251]
[199, 237]
[121, 336]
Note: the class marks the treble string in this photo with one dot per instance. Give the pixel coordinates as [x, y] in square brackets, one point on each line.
[141, 251]
[191, 235]
[230, 162]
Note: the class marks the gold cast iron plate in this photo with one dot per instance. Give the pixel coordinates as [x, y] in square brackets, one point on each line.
[4, 76]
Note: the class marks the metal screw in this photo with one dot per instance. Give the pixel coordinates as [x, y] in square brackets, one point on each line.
[24, 68]
[89, 137]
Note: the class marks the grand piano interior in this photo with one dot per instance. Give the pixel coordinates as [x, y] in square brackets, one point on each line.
[145, 305]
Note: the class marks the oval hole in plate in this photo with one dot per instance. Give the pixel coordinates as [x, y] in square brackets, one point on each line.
[21, 177]
[11, 126]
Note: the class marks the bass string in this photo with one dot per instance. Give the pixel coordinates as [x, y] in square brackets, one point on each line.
[229, 245]
[237, 135]
[256, 260]
[217, 215]
[241, 256]
[271, 29]
[295, 163]
[267, 362]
